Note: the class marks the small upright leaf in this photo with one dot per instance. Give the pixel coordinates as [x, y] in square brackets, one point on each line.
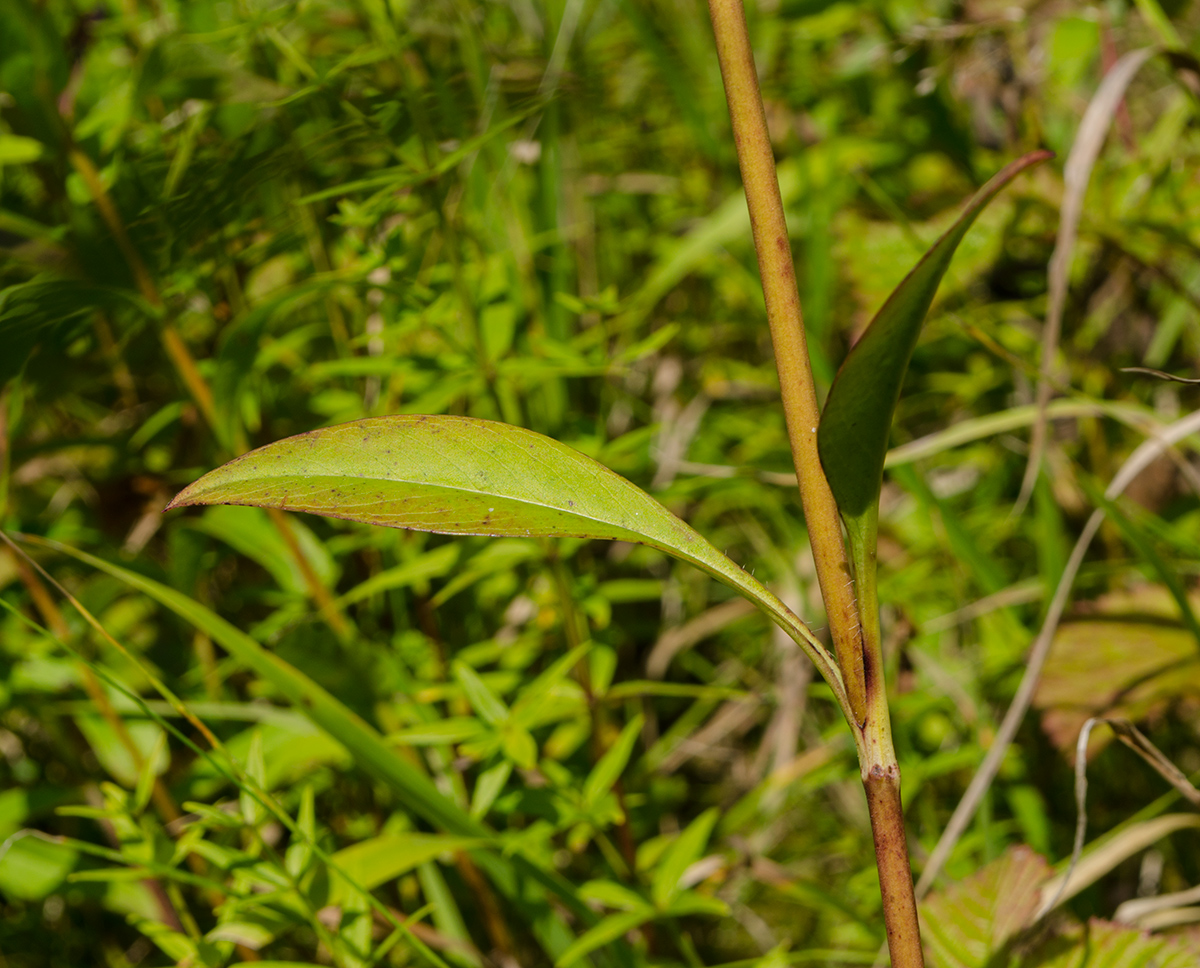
[683, 852]
[485, 702]
[253, 811]
[299, 852]
[149, 773]
[612, 763]
[853, 436]
[488, 786]
[459, 475]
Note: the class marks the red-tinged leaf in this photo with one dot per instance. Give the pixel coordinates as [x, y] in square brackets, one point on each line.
[966, 924]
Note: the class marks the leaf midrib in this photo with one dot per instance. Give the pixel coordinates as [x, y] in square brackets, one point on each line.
[342, 482]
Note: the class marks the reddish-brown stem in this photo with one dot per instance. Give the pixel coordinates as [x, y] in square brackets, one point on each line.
[799, 395]
[895, 875]
[853, 613]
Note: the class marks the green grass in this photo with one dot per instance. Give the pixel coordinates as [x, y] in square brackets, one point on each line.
[304, 214]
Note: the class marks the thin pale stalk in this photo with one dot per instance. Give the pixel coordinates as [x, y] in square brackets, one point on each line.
[769, 228]
[1085, 150]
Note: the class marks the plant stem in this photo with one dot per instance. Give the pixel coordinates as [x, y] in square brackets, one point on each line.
[853, 618]
[796, 387]
[895, 875]
[877, 760]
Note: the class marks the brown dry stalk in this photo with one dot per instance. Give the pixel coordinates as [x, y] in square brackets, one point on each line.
[328, 608]
[895, 873]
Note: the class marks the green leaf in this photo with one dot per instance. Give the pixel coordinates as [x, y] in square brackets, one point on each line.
[691, 903]
[488, 786]
[853, 436]
[534, 696]
[612, 894]
[612, 763]
[616, 925]
[432, 564]
[32, 867]
[370, 750]
[148, 773]
[519, 746]
[684, 851]
[485, 702]
[453, 729]
[245, 933]
[378, 860]
[16, 150]
[112, 752]
[254, 812]
[252, 534]
[299, 852]
[446, 915]
[609, 929]
[1113, 665]
[460, 475]
[1100, 944]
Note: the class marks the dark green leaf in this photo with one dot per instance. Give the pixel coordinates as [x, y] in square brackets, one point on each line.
[853, 436]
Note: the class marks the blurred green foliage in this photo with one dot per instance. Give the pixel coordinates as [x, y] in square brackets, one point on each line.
[222, 223]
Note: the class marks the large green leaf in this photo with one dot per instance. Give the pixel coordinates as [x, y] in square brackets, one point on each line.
[459, 475]
[853, 435]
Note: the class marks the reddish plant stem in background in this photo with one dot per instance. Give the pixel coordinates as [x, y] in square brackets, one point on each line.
[757, 162]
[326, 604]
[493, 921]
[1109, 55]
[173, 343]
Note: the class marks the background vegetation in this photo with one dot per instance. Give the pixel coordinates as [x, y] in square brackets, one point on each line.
[222, 223]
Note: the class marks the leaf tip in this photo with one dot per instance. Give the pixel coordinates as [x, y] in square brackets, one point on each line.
[185, 498]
